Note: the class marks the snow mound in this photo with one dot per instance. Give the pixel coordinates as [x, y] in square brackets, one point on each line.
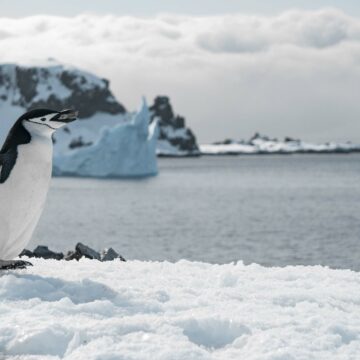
[125, 150]
[160, 310]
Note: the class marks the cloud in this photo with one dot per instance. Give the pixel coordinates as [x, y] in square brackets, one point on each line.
[305, 29]
[297, 73]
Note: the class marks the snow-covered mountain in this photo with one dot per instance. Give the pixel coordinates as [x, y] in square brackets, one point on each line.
[259, 144]
[127, 148]
[175, 139]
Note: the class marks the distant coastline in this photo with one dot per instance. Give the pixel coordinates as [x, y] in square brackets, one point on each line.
[263, 145]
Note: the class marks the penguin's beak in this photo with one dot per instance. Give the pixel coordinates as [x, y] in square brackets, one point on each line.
[66, 116]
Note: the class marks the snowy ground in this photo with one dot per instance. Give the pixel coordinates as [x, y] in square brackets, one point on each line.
[145, 310]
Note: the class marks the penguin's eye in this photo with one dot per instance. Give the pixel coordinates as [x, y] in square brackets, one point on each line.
[43, 119]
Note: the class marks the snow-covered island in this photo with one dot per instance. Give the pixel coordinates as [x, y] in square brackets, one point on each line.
[91, 310]
[259, 144]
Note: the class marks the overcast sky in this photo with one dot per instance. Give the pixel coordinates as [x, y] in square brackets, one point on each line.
[18, 8]
[230, 67]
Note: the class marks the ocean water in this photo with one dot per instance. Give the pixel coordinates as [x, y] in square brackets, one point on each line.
[272, 210]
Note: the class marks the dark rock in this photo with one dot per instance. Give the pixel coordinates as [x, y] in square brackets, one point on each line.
[169, 124]
[14, 265]
[45, 253]
[79, 142]
[290, 139]
[25, 82]
[86, 251]
[258, 136]
[179, 122]
[73, 255]
[110, 254]
[27, 253]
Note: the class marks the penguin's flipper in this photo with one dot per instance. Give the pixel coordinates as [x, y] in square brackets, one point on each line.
[14, 264]
[7, 162]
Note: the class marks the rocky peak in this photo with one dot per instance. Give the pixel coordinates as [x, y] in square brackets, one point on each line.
[175, 139]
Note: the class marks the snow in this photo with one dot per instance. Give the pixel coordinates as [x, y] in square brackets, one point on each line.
[173, 133]
[165, 148]
[223, 149]
[263, 145]
[127, 149]
[184, 310]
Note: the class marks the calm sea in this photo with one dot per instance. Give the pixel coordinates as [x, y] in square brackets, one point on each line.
[272, 210]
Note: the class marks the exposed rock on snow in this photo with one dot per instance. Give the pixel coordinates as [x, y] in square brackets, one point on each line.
[45, 253]
[72, 255]
[86, 251]
[175, 139]
[42, 252]
[158, 310]
[27, 253]
[81, 251]
[110, 254]
[259, 144]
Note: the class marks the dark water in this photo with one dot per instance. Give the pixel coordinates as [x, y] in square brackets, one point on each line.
[272, 210]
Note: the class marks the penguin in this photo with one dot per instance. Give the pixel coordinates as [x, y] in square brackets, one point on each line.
[25, 173]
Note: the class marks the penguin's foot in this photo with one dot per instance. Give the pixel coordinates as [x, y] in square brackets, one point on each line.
[14, 264]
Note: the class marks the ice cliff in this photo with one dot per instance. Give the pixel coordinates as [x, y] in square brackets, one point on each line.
[125, 150]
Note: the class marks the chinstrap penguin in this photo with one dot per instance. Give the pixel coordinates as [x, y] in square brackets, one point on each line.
[25, 173]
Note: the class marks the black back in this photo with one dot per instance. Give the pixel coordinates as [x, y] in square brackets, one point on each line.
[18, 135]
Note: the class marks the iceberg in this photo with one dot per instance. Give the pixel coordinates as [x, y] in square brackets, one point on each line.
[127, 149]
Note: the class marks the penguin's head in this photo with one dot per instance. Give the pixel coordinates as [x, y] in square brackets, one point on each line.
[46, 120]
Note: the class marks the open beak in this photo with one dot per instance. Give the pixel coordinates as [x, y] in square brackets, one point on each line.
[66, 116]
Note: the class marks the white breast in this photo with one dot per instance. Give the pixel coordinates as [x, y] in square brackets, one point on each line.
[23, 195]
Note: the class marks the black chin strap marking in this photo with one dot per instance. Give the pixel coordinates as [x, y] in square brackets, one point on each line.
[48, 126]
[41, 124]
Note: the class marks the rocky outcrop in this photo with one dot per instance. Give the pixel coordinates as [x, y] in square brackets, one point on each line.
[110, 254]
[81, 251]
[42, 252]
[57, 87]
[175, 139]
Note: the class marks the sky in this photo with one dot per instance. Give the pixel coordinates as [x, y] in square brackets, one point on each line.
[19, 8]
[283, 68]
